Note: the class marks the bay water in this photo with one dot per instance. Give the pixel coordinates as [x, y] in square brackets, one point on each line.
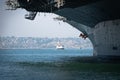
[48, 64]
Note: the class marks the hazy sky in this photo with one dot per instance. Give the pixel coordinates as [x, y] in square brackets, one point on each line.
[13, 23]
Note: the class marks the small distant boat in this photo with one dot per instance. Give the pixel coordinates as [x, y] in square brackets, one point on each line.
[59, 46]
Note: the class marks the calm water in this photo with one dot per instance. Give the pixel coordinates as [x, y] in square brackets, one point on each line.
[47, 64]
[43, 55]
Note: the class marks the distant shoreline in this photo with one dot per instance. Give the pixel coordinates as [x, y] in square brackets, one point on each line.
[40, 43]
[43, 49]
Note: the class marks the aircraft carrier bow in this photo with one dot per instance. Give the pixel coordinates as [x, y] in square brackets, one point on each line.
[98, 19]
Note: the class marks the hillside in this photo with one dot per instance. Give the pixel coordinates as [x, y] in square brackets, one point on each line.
[38, 43]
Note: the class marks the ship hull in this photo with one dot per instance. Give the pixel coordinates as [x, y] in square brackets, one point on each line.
[60, 48]
[98, 19]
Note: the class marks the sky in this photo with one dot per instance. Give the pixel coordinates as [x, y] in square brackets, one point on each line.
[13, 23]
